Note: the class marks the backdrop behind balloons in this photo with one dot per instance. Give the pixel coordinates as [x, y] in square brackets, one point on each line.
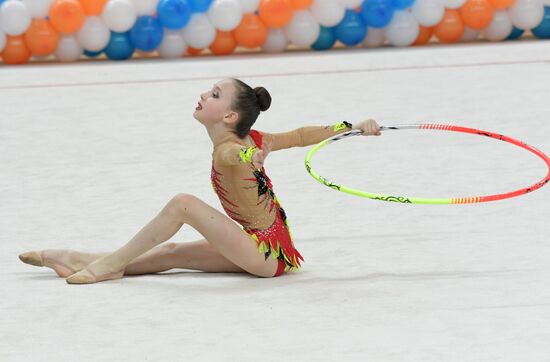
[71, 30]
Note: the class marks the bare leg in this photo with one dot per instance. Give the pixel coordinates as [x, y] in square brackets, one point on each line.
[161, 228]
[196, 255]
[223, 233]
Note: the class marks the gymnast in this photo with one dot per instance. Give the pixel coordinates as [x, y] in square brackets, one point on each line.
[254, 237]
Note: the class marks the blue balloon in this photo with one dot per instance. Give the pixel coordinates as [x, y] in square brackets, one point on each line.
[402, 4]
[516, 33]
[199, 6]
[377, 13]
[120, 47]
[542, 31]
[146, 34]
[326, 39]
[91, 54]
[352, 29]
[174, 14]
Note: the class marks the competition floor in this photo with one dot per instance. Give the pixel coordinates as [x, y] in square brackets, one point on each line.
[90, 152]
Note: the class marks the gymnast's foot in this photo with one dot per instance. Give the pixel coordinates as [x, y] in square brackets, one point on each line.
[63, 262]
[97, 271]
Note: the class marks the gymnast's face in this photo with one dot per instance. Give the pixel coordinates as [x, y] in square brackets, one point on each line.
[214, 105]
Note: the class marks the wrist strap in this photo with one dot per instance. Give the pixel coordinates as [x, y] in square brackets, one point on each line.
[340, 126]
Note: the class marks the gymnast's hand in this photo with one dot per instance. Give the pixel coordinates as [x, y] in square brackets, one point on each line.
[369, 127]
[259, 156]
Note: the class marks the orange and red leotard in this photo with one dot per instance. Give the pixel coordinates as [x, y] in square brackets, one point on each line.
[247, 195]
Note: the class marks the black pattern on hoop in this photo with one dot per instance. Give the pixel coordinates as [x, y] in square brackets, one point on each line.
[401, 199]
[329, 184]
[308, 167]
[344, 135]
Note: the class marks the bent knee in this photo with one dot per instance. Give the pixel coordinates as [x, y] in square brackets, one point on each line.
[182, 203]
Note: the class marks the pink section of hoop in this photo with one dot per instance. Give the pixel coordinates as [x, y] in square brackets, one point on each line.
[469, 200]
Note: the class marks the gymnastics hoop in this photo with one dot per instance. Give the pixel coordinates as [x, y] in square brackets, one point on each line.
[416, 200]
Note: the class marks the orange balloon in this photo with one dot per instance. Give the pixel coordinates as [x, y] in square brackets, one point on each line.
[502, 4]
[193, 51]
[93, 7]
[66, 16]
[450, 28]
[41, 38]
[424, 35]
[251, 32]
[15, 51]
[275, 13]
[477, 14]
[301, 4]
[224, 43]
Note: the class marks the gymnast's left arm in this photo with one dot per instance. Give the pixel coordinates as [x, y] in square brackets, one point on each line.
[309, 135]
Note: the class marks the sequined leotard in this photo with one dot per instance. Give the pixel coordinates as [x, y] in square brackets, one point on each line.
[247, 195]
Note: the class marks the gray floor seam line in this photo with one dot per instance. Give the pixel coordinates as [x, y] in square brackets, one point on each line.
[287, 74]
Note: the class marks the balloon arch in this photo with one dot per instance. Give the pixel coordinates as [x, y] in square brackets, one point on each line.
[70, 30]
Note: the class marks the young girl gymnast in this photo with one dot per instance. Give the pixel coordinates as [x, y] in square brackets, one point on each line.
[262, 247]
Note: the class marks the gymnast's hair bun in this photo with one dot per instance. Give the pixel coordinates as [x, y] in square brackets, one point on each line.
[264, 99]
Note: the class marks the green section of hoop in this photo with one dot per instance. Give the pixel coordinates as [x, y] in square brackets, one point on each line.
[348, 190]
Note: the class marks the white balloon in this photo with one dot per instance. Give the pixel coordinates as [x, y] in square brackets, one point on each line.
[351, 4]
[15, 17]
[2, 41]
[119, 15]
[375, 37]
[454, 4]
[250, 6]
[276, 41]
[303, 30]
[94, 34]
[526, 14]
[173, 45]
[403, 29]
[145, 7]
[328, 12]
[226, 15]
[428, 12]
[38, 8]
[199, 33]
[68, 49]
[469, 35]
[500, 27]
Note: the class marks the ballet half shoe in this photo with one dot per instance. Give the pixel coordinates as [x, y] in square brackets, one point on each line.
[32, 258]
[87, 277]
[37, 258]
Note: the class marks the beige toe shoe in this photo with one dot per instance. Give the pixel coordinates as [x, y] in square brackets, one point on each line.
[87, 277]
[32, 258]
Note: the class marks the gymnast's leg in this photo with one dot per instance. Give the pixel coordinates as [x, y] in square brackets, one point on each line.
[195, 255]
[218, 229]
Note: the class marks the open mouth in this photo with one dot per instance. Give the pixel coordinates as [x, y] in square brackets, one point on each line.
[199, 107]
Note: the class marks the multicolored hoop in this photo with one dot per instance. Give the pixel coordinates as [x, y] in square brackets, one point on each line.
[415, 200]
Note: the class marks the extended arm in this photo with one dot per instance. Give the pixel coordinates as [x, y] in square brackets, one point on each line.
[231, 154]
[305, 136]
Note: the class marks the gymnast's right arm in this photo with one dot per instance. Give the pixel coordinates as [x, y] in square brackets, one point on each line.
[305, 136]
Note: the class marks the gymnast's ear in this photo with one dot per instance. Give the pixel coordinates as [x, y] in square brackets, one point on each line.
[231, 117]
